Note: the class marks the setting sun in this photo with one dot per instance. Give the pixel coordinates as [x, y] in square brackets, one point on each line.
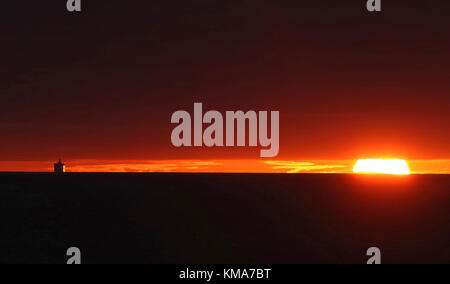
[382, 166]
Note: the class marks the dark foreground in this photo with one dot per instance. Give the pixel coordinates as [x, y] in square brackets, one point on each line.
[170, 218]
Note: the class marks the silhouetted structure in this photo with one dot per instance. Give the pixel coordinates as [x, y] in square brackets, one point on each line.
[60, 168]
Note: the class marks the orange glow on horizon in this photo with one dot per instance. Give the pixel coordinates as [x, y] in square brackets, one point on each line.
[382, 166]
[215, 166]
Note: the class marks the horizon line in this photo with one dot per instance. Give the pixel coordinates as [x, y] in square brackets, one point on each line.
[222, 173]
[218, 166]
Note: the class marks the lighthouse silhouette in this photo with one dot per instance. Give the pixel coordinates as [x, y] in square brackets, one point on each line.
[59, 167]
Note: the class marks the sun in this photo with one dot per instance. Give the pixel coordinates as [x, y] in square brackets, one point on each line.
[382, 166]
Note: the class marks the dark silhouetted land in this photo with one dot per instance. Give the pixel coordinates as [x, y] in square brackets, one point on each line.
[207, 218]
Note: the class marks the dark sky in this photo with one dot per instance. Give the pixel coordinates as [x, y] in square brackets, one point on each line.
[103, 84]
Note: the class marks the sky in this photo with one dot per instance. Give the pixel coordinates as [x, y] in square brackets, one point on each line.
[98, 88]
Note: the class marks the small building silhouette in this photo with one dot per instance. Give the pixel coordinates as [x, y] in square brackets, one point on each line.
[60, 168]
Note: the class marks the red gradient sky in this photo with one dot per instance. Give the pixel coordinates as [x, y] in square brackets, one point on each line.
[99, 88]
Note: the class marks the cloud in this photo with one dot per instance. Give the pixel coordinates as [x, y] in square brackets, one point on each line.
[299, 167]
[142, 166]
